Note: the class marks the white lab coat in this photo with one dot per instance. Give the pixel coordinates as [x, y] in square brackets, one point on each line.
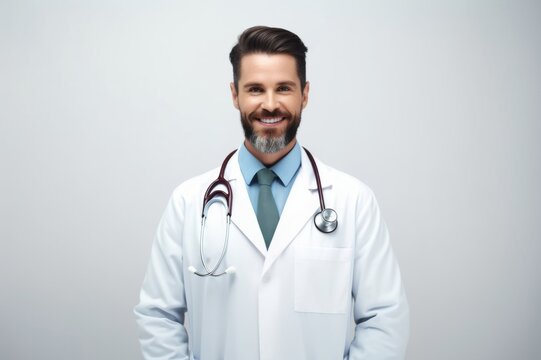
[311, 296]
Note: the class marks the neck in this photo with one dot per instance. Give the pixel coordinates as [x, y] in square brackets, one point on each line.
[272, 158]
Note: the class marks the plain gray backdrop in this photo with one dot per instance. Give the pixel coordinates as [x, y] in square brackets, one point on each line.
[106, 106]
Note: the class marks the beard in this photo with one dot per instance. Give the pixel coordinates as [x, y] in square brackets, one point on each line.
[269, 141]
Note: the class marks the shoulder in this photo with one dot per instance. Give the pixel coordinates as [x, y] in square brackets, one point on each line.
[348, 186]
[195, 185]
[340, 180]
[194, 188]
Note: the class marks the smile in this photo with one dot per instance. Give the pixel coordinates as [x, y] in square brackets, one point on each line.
[271, 120]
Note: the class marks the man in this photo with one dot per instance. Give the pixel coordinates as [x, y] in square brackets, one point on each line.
[296, 292]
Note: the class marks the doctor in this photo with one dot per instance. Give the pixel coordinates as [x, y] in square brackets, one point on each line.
[295, 292]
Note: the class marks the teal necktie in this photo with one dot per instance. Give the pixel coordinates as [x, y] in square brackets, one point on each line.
[267, 212]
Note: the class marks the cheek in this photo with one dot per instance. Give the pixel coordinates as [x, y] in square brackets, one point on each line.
[248, 106]
[245, 102]
[294, 106]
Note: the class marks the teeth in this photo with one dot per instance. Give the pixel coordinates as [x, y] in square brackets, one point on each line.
[271, 121]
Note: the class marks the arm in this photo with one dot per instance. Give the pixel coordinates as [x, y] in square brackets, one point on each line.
[160, 312]
[381, 310]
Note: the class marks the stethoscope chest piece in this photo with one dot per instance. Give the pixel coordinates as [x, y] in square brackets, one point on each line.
[326, 221]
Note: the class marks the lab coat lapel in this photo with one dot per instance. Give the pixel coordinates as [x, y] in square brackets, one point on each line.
[243, 215]
[301, 205]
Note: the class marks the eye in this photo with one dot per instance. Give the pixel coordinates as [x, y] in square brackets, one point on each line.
[254, 89]
[284, 88]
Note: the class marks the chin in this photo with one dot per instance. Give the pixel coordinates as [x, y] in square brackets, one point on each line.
[267, 144]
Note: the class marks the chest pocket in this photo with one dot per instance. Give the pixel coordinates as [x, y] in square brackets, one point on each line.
[322, 279]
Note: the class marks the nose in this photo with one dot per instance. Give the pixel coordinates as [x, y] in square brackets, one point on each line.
[270, 102]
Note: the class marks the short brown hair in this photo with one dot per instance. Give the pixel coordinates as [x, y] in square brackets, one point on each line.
[269, 40]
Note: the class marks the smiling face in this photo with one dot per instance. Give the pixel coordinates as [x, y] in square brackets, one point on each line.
[270, 101]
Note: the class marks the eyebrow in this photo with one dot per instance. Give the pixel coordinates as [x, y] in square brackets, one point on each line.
[281, 83]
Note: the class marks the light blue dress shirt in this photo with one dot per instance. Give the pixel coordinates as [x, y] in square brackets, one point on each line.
[286, 170]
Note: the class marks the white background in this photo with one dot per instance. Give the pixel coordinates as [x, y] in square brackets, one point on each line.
[106, 106]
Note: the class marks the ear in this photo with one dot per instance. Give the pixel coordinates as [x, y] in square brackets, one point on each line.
[305, 94]
[234, 95]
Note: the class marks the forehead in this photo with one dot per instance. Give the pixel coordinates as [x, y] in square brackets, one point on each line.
[268, 68]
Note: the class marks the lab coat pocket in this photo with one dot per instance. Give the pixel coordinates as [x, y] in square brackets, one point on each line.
[322, 279]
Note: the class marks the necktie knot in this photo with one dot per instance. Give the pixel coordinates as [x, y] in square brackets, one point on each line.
[265, 176]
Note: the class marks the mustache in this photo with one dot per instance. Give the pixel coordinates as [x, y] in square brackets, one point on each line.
[270, 114]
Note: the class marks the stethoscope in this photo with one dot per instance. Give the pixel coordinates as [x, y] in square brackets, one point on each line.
[326, 220]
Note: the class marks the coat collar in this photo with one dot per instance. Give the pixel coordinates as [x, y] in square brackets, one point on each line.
[285, 169]
[233, 171]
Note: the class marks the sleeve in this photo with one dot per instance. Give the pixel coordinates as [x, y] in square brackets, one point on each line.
[161, 310]
[381, 310]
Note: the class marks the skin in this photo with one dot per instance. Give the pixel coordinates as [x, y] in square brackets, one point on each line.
[269, 87]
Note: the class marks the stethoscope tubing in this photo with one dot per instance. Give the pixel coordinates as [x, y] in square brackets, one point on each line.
[323, 223]
[210, 194]
[212, 272]
[318, 179]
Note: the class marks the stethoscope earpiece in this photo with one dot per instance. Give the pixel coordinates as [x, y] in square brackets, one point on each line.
[326, 221]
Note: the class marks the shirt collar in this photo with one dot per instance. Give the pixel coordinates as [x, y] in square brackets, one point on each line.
[285, 169]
